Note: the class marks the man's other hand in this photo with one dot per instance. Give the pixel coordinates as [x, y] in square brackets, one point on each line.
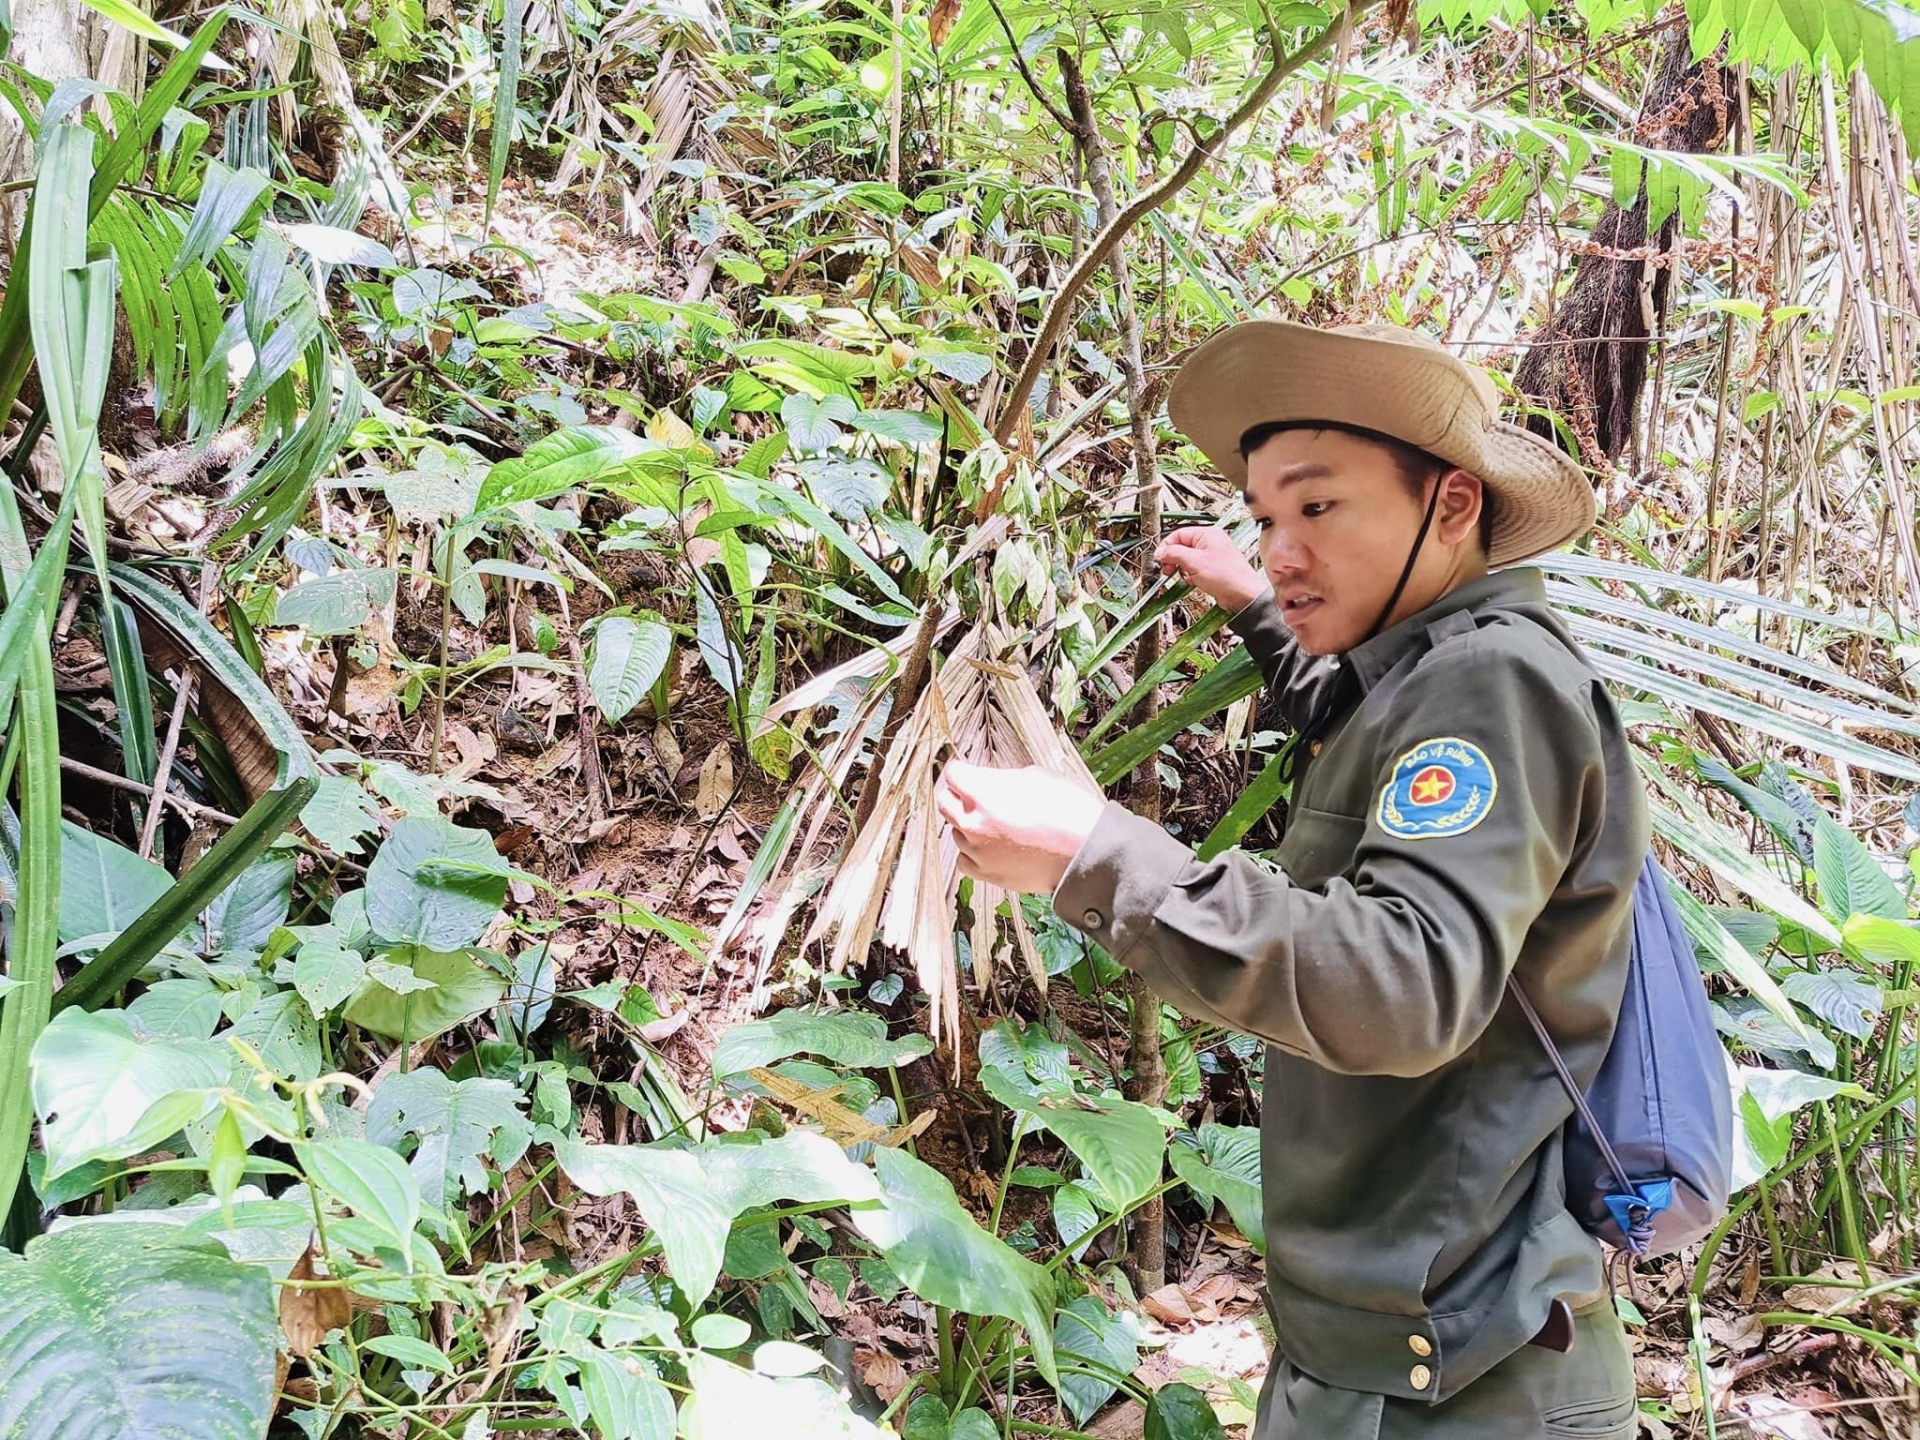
[1208, 560]
[1018, 829]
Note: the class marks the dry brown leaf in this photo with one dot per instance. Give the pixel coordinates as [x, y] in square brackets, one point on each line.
[886, 1375]
[826, 1300]
[840, 1123]
[716, 783]
[307, 1315]
[1169, 1305]
[940, 21]
[1737, 1334]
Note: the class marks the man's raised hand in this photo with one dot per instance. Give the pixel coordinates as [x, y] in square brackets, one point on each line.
[1204, 557]
[1018, 829]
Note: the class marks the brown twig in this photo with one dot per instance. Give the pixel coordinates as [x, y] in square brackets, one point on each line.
[134, 787]
[182, 697]
[1060, 310]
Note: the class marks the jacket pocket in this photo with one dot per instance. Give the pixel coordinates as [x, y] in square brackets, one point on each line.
[1594, 1419]
[1319, 844]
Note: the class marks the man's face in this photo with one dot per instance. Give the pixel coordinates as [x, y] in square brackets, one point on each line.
[1337, 519]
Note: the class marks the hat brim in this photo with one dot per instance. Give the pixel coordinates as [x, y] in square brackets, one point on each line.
[1275, 371]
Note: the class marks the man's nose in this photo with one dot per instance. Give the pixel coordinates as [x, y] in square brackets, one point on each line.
[1283, 555]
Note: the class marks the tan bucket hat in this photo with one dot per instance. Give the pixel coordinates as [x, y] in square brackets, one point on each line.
[1394, 381]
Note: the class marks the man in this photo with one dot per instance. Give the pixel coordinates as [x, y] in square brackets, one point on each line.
[1464, 807]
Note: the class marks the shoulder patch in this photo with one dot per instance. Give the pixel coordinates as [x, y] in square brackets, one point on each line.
[1440, 787]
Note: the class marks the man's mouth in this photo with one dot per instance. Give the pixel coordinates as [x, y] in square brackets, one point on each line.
[1295, 608]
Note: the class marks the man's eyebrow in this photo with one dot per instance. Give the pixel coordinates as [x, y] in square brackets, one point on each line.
[1294, 474]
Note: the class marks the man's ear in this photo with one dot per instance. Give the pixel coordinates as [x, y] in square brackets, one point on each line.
[1456, 519]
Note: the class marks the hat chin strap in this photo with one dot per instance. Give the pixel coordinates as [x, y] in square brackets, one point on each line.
[1406, 571]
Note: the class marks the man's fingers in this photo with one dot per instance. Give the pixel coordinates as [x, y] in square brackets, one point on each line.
[950, 806]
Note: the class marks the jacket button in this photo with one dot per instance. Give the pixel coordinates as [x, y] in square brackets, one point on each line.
[1421, 1377]
[1093, 919]
[1420, 1345]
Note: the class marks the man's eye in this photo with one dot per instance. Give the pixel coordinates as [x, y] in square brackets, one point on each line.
[1314, 509]
[1262, 524]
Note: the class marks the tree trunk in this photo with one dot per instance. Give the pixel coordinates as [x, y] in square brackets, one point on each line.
[56, 40]
[1144, 1058]
[1589, 361]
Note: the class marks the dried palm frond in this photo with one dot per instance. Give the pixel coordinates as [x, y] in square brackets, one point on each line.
[897, 880]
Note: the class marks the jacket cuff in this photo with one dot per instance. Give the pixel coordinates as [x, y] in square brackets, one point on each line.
[1115, 882]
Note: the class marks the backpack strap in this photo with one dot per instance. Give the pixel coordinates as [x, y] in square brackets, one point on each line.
[1573, 1090]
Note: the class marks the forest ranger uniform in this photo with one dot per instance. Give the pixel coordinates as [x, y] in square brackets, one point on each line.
[1469, 807]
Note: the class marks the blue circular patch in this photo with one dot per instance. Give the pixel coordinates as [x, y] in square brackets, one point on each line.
[1440, 787]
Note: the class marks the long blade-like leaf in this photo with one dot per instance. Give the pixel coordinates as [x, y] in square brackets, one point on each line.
[108, 972]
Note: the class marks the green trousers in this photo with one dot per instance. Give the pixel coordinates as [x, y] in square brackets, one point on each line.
[1586, 1392]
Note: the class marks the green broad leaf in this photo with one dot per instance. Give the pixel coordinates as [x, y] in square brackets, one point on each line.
[726, 1402]
[1756, 930]
[435, 884]
[336, 604]
[1767, 1101]
[371, 1181]
[102, 1092]
[720, 1332]
[945, 1258]
[1120, 1142]
[1625, 166]
[1102, 1342]
[906, 427]
[1075, 1214]
[1025, 1053]
[176, 1010]
[331, 245]
[400, 979]
[781, 1358]
[973, 1425]
[964, 367]
[1225, 1166]
[244, 914]
[627, 1402]
[427, 292]
[1882, 941]
[326, 975]
[1845, 1001]
[135, 1329]
[674, 1199]
[104, 887]
[563, 461]
[789, 502]
[1709, 936]
[845, 1037]
[1036, 1177]
[1180, 1412]
[458, 1129]
[1691, 832]
[1749, 1023]
[411, 1352]
[461, 989]
[815, 424]
[1851, 880]
[625, 657]
[802, 1167]
[850, 488]
[282, 1028]
[926, 1419]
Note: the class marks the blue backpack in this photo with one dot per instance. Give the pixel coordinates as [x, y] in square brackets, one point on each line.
[1649, 1149]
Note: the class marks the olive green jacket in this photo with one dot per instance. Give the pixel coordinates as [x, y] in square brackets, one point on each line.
[1472, 810]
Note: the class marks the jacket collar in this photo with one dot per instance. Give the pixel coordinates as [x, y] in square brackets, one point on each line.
[1501, 589]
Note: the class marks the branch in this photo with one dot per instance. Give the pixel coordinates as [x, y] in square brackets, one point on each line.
[1060, 117]
[1059, 311]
